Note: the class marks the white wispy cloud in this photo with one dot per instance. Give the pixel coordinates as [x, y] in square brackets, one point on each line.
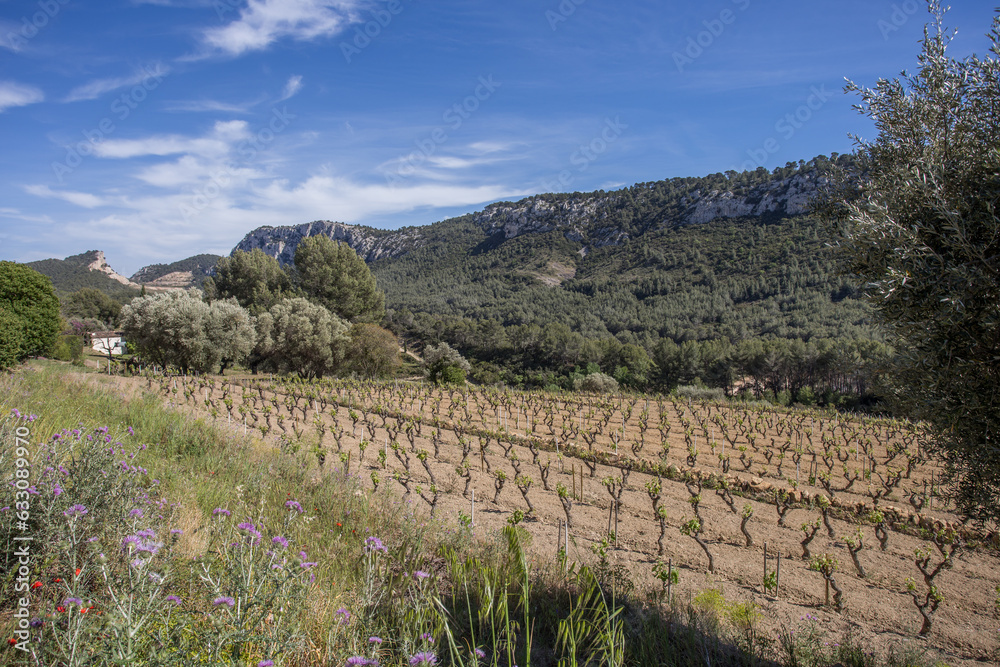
[83, 199]
[14, 94]
[293, 86]
[216, 144]
[262, 22]
[212, 106]
[98, 87]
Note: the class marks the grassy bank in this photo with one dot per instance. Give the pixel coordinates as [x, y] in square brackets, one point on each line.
[159, 540]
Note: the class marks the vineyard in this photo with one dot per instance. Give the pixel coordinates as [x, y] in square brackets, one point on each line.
[807, 511]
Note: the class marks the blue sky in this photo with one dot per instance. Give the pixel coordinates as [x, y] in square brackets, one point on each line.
[159, 129]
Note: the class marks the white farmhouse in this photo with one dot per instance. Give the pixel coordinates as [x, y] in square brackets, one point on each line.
[108, 341]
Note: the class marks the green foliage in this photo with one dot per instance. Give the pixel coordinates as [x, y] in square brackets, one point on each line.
[331, 274]
[921, 232]
[90, 303]
[596, 383]
[299, 336]
[26, 295]
[445, 365]
[68, 348]
[12, 339]
[177, 329]
[254, 279]
[372, 351]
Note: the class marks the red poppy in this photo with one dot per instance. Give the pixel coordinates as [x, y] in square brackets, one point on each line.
[338, 524]
[12, 641]
[60, 608]
[78, 572]
[37, 584]
[57, 580]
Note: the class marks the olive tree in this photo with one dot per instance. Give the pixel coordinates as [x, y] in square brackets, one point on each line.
[921, 233]
[299, 336]
[179, 329]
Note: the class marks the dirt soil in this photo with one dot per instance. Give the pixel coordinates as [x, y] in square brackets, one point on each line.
[877, 609]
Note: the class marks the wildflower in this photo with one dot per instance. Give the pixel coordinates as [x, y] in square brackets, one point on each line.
[278, 539]
[251, 530]
[223, 599]
[420, 574]
[480, 653]
[136, 512]
[12, 641]
[69, 601]
[423, 659]
[176, 531]
[60, 609]
[130, 431]
[375, 640]
[57, 490]
[37, 584]
[293, 505]
[374, 544]
[360, 661]
[36, 623]
[265, 663]
[218, 510]
[173, 598]
[427, 637]
[75, 510]
[344, 615]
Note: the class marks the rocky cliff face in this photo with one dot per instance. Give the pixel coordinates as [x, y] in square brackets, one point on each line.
[789, 196]
[95, 261]
[582, 219]
[370, 244]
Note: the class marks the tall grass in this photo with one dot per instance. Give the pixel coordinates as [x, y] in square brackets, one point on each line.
[160, 540]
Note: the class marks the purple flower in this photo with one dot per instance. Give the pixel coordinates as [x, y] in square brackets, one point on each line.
[223, 599]
[251, 530]
[375, 640]
[130, 431]
[218, 510]
[374, 544]
[75, 510]
[68, 601]
[173, 598]
[36, 623]
[265, 663]
[293, 505]
[344, 615]
[480, 653]
[420, 574]
[360, 661]
[57, 490]
[423, 659]
[278, 539]
[427, 637]
[136, 512]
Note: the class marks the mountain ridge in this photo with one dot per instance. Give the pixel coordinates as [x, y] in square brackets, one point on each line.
[579, 215]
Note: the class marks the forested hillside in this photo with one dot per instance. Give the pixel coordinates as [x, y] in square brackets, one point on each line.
[714, 279]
